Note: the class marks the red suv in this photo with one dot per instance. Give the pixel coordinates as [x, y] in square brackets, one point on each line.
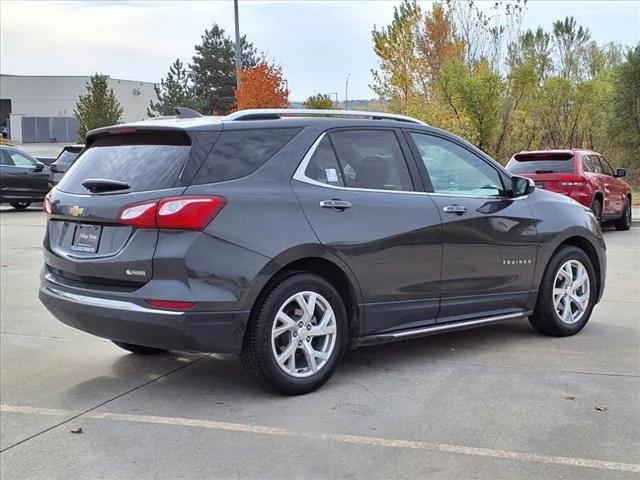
[582, 175]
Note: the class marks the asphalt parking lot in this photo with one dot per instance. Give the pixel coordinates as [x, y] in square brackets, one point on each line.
[496, 402]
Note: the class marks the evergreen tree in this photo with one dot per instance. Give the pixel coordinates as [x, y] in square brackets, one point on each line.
[249, 55]
[174, 91]
[213, 69]
[98, 108]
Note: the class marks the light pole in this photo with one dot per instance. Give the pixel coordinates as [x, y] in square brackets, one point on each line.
[238, 46]
[346, 91]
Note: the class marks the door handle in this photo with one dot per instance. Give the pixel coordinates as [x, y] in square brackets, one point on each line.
[339, 205]
[457, 209]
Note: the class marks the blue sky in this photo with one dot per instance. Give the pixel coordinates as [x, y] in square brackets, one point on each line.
[316, 42]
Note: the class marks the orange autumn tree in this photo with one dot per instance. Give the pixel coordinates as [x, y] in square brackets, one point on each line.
[262, 86]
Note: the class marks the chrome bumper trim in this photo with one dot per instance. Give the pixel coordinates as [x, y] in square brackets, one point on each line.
[106, 302]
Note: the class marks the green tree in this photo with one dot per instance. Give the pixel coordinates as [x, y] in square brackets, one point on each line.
[476, 97]
[176, 90]
[625, 124]
[98, 108]
[214, 69]
[395, 46]
[570, 40]
[319, 102]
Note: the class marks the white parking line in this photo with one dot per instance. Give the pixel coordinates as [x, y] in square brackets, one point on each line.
[352, 439]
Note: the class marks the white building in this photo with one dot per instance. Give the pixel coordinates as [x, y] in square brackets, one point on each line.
[56, 96]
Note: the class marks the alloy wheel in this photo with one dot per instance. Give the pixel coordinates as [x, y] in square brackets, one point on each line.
[303, 335]
[571, 291]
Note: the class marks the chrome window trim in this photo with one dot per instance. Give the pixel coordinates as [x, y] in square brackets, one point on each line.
[300, 176]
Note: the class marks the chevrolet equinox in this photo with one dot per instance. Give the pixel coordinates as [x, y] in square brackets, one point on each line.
[289, 236]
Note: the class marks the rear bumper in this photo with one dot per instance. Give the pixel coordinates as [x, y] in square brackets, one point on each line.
[126, 321]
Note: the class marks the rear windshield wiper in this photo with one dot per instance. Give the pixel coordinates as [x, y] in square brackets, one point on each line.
[545, 171]
[97, 185]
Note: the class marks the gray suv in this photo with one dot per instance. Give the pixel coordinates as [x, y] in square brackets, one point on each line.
[289, 236]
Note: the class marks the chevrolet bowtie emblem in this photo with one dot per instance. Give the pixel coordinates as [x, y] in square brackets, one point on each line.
[75, 211]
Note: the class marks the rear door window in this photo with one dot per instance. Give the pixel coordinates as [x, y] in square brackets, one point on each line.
[541, 163]
[591, 164]
[371, 159]
[238, 153]
[323, 166]
[144, 162]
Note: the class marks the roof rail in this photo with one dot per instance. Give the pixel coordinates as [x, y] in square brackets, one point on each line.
[184, 112]
[276, 113]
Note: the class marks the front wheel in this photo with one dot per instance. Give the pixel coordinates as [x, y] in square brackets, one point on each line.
[624, 222]
[20, 205]
[567, 294]
[297, 337]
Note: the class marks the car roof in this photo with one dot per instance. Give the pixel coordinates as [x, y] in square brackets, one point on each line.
[262, 118]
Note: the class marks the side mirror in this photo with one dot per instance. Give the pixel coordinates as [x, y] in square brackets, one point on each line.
[521, 186]
[39, 166]
[621, 172]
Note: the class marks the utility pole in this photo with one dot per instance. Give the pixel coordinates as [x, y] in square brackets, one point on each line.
[238, 46]
[346, 92]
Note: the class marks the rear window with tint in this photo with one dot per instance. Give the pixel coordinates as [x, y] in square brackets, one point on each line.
[238, 153]
[144, 162]
[66, 158]
[545, 163]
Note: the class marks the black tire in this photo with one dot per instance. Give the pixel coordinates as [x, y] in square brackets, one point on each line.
[258, 355]
[545, 319]
[20, 205]
[624, 222]
[139, 349]
[596, 208]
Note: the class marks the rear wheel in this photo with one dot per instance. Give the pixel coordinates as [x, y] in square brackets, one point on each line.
[596, 208]
[20, 205]
[297, 337]
[567, 294]
[624, 222]
[138, 349]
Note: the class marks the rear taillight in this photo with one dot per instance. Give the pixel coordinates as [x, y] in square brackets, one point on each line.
[141, 215]
[47, 206]
[179, 213]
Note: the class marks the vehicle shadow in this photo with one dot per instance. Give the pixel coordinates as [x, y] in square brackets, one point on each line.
[222, 377]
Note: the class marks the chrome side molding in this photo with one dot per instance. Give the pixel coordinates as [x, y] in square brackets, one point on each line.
[440, 328]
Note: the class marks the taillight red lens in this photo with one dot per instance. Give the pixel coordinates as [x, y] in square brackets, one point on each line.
[179, 213]
[47, 206]
[141, 215]
[171, 304]
[188, 213]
